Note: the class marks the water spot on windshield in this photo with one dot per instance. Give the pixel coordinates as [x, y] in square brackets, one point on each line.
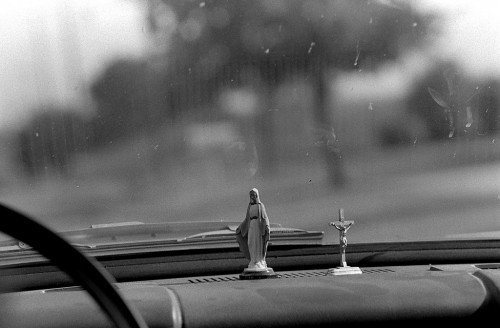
[469, 117]
[202, 4]
[311, 48]
[357, 54]
[253, 164]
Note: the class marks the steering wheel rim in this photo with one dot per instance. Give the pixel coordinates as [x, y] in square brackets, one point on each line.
[83, 270]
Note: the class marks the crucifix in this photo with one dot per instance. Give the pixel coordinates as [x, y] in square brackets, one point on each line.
[342, 226]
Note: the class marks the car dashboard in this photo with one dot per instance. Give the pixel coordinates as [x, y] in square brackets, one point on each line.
[303, 295]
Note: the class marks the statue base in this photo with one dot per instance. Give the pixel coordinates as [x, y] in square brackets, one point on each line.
[266, 273]
[339, 271]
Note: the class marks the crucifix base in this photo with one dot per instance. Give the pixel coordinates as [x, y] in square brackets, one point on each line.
[340, 271]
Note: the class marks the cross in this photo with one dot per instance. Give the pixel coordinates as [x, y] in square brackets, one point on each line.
[342, 226]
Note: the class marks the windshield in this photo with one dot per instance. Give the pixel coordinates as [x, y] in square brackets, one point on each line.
[160, 111]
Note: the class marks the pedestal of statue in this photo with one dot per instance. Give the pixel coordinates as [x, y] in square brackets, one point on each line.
[258, 273]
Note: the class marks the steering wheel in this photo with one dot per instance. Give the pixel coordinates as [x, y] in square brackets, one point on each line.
[82, 269]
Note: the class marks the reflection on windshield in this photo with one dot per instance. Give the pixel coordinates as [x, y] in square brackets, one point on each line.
[170, 111]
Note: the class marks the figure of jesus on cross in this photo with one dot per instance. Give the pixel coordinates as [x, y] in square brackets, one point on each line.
[342, 226]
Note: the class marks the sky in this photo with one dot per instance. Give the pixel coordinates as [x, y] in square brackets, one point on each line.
[51, 49]
[469, 34]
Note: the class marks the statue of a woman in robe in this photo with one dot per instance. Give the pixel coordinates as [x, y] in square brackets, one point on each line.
[253, 233]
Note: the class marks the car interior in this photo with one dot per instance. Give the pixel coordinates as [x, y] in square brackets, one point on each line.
[186, 288]
[249, 163]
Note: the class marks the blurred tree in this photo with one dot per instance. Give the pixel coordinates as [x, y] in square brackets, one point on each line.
[454, 105]
[421, 102]
[130, 97]
[488, 108]
[48, 141]
[221, 43]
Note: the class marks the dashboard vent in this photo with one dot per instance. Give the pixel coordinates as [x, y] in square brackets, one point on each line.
[377, 270]
[492, 266]
[213, 279]
[284, 275]
[302, 274]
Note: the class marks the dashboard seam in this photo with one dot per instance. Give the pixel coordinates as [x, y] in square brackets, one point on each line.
[177, 318]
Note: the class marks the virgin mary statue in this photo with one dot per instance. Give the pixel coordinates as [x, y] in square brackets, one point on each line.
[253, 233]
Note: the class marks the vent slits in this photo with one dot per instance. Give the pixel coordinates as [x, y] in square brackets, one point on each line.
[284, 275]
[302, 274]
[377, 270]
[212, 279]
[490, 266]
